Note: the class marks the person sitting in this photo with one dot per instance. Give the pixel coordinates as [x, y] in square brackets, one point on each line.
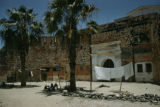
[55, 86]
[52, 87]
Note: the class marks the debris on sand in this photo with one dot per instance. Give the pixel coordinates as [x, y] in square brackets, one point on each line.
[154, 99]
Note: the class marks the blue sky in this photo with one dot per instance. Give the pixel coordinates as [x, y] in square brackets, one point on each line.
[109, 10]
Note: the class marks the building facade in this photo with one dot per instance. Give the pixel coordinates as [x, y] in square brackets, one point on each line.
[111, 47]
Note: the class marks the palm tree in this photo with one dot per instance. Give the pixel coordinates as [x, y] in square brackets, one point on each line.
[62, 19]
[19, 32]
[93, 28]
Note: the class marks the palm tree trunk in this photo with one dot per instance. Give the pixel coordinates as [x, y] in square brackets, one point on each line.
[72, 57]
[24, 74]
[72, 54]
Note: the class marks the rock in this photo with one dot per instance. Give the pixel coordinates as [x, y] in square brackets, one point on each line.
[65, 91]
[154, 101]
[142, 99]
[124, 97]
[64, 94]
[94, 97]
[109, 97]
[117, 96]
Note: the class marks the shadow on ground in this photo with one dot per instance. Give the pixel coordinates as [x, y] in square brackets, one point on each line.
[10, 86]
[49, 93]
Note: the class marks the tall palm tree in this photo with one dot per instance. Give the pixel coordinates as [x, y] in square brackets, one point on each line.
[19, 32]
[62, 19]
[93, 29]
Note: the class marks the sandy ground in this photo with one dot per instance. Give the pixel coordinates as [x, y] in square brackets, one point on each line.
[35, 97]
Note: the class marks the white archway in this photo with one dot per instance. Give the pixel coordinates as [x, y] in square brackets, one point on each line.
[102, 52]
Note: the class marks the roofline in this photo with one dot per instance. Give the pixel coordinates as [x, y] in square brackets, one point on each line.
[141, 7]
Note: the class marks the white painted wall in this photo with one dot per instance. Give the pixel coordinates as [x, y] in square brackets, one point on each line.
[143, 76]
[102, 52]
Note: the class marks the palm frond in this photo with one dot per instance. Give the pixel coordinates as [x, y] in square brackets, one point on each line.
[65, 14]
[87, 11]
[51, 24]
[93, 26]
[20, 28]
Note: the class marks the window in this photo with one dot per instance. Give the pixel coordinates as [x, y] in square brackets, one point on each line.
[139, 68]
[148, 67]
[81, 68]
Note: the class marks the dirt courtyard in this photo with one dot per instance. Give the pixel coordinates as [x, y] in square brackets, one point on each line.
[35, 97]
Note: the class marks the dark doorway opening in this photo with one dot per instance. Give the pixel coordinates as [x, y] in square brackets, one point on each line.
[108, 64]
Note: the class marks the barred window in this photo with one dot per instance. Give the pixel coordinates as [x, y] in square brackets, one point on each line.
[148, 67]
[139, 68]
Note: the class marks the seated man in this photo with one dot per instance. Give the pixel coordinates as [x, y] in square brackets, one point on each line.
[52, 87]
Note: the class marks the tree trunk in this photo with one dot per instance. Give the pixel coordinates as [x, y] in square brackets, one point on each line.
[133, 64]
[24, 74]
[72, 57]
[155, 62]
[72, 42]
[90, 43]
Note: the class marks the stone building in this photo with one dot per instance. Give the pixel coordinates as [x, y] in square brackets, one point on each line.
[143, 10]
[110, 48]
[46, 56]
[112, 43]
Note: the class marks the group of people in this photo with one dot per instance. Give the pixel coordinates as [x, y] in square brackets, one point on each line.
[51, 87]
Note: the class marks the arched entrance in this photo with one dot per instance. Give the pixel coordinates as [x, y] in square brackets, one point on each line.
[108, 64]
[105, 55]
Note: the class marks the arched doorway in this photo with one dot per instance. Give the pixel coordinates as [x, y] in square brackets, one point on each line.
[108, 64]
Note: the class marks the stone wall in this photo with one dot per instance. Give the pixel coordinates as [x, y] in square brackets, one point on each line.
[156, 47]
[50, 52]
[123, 28]
[8, 65]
